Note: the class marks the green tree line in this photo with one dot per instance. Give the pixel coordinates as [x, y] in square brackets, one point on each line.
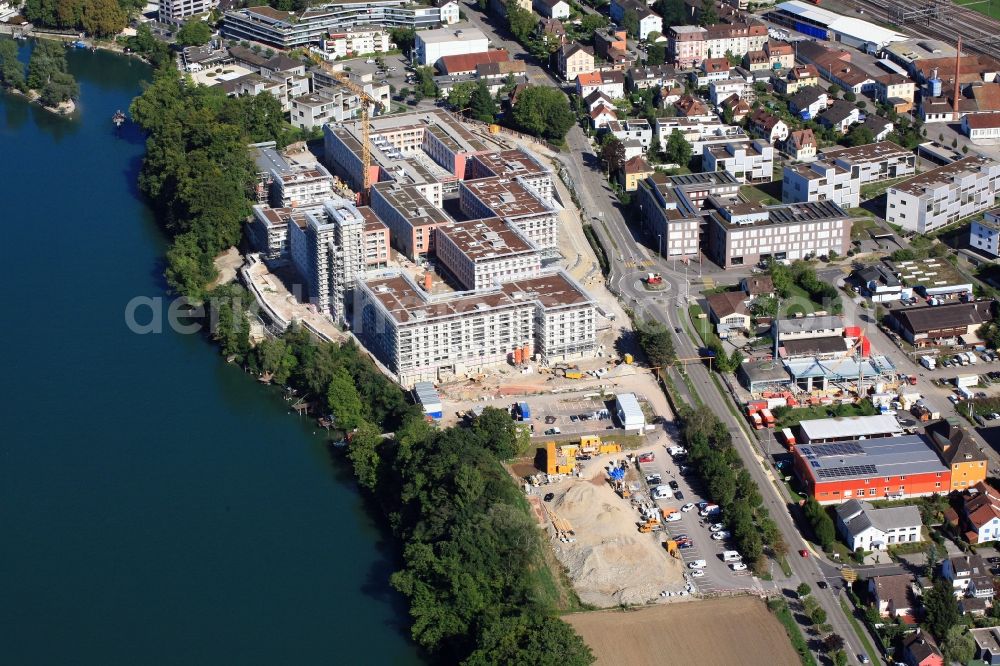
[712, 455]
[473, 570]
[197, 171]
[100, 18]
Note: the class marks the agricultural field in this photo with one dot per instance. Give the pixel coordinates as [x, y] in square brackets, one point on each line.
[740, 630]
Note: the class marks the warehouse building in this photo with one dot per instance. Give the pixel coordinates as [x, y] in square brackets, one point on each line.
[629, 412]
[840, 429]
[822, 24]
[432, 45]
[881, 468]
[941, 324]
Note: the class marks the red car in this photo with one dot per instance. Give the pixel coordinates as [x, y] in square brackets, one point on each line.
[647, 457]
[804, 553]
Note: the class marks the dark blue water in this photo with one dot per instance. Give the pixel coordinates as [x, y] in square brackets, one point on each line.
[156, 505]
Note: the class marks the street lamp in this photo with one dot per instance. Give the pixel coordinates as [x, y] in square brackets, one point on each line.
[660, 237]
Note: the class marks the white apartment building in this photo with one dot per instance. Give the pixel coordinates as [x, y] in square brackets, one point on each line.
[821, 181]
[748, 161]
[874, 161]
[722, 89]
[944, 195]
[744, 234]
[484, 253]
[699, 133]
[348, 260]
[301, 187]
[176, 11]
[309, 248]
[424, 337]
[514, 163]
[517, 203]
[432, 45]
[268, 229]
[985, 234]
[632, 130]
[358, 41]
[309, 111]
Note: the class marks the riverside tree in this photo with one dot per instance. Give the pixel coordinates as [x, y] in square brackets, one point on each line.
[11, 69]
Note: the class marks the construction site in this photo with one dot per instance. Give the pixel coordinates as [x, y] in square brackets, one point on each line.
[605, 528]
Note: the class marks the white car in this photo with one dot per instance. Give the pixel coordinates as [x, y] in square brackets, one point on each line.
[720, 535]
[673, 518]
[738, 566]
[687, 507]
[698, 564]
[697, 573]
[717, 527]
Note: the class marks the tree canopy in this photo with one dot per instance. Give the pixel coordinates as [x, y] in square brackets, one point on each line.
[49, 74]
[100, 18]
[543, 111]
[678, 150]
[482, 106]
[194, 32]
[11, 69]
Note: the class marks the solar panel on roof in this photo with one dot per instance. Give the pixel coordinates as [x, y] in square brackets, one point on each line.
[839, 449]
[850, 470]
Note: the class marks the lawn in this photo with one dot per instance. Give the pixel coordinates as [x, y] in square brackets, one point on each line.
[861, 225]
[991, 9]
[765, 193]
[877, 189]
[798, 301]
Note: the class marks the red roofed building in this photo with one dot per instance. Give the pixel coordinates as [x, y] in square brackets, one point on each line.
[466, 64]
[982, 127]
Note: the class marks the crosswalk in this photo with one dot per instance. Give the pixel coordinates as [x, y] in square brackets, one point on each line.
[645, 263]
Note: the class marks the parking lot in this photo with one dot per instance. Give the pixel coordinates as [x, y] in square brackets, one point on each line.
[718, 575]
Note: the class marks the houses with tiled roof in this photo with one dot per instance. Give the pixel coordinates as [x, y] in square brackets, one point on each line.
[611, 84]
[456, 65]
[736, 106]
[728, 311]
[768, 126]
[573, 60]
[692, 107]
[801, 145]
[894, 596]
[981, 513]
[634, 171]
[919, 649]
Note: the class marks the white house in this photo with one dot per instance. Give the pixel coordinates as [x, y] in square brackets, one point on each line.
[821, 181]
[982, 128]
[748, 161]
[556, 9]
[969, 575]
[863, 526]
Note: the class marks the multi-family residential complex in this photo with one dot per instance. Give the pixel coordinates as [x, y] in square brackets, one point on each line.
[511, 164]
[944, 195]
[743, 234]
[288, 30]
[985, 233]
[300, 187]
[874, 161]
[748, 161]
[821, 181]
[423, 337]
[689, 45]
[410, 216]
[517, 203]
[483, 253]
[356, 41]
[176, 11]
[648, 20]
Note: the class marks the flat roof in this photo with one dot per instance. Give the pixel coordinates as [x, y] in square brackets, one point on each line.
[511, 163]
[552, 290]
[455, 33]
[793, 213]
[871, 458]
[850, 426]
[629, 405]
[506, 197]
[489, 238]
[810, 346]
[871, 152]
[943, 175]
[411, 203]
[928, 273]
[806, 324]
[408, 303]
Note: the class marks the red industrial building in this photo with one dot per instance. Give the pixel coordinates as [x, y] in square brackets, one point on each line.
[883, 468]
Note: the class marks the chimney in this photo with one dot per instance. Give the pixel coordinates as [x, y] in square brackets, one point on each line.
[958, 86]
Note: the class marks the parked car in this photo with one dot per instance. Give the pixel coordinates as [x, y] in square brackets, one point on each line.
[583, 456]
[822, 585]
[647, 457]
[685, 545]
[717, 527]
[687, 507]
[653, 479]
[678, 495]
[553, 431]
[720, 535]
[697, 573]
[574, 418]
[673, 485]
[863, 658]
[698, 564]
[738, 566]
[549, 497]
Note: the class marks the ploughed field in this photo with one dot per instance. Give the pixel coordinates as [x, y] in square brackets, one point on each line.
[714, 631]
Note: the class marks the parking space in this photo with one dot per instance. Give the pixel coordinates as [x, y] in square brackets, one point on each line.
[692, 531]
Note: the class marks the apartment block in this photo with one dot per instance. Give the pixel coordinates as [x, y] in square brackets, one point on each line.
[688, 46]
[637, 130]
[517, 203]
[565, 316]
[484, 253]
[376, 235]
[300, 187]
[177, 11]
[514, 163]
[357, 41]
[984, 234]
[743, 234]
[748, 161]
[944, 195]
[347, 250]
[309, 243]
[268, 229]
[410, 216]
[874, 161]
[821, 180]
[313, 26]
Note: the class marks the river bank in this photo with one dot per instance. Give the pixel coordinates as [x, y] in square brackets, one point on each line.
[157, 504]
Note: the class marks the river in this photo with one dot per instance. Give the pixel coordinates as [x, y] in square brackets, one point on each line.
[157, 506]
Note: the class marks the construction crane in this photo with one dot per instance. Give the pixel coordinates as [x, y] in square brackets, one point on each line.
[366, 130]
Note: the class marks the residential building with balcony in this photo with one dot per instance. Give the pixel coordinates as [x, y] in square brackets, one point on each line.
[944, 195]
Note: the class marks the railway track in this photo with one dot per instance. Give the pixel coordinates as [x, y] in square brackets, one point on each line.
[980, 33]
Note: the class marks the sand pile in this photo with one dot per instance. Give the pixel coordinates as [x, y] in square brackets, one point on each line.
[610, 562]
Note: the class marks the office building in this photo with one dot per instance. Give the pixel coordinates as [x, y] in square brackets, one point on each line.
[743, 234]
[874, 161]
[177, 11]
[747, 161]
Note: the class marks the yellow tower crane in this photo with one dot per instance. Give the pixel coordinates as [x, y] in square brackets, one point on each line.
[366, 130]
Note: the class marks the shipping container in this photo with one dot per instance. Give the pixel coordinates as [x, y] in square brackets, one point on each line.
[789, 437]
[852, 331]
[768, 417]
